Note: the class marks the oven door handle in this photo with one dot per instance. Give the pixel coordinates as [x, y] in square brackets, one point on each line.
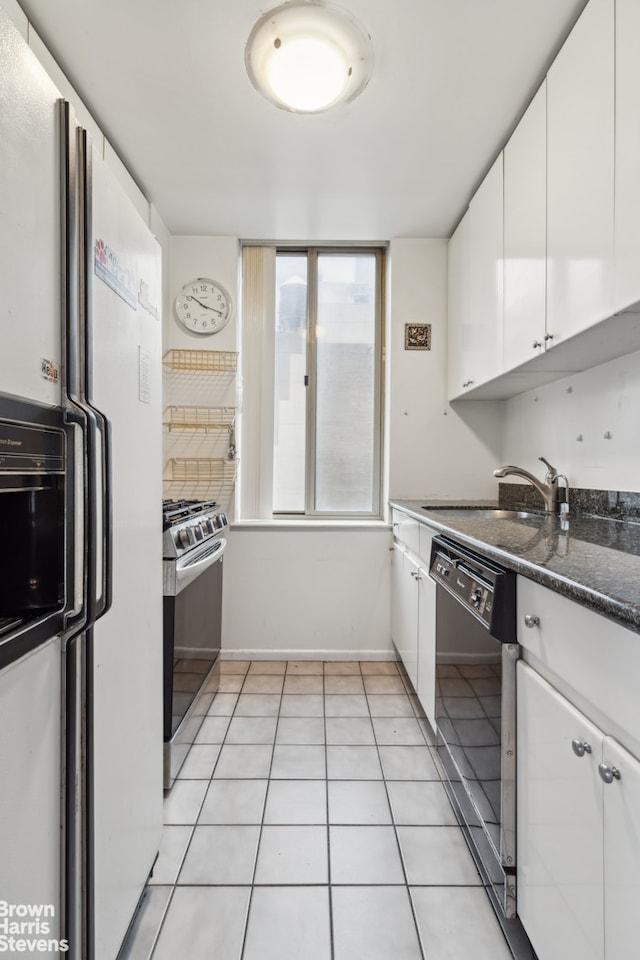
[188, 569]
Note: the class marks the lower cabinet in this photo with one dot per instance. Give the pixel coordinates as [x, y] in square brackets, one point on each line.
[578, 830]
[413, 621]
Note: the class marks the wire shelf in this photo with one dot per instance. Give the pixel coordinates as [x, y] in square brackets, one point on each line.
[204, 361]
[178, 418]
[200, 470]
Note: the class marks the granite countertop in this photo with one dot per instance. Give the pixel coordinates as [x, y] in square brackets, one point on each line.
[593, 561]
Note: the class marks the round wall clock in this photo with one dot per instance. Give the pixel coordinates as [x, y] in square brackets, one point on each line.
[203, 306]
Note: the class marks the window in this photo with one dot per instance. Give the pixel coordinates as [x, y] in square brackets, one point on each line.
[327, 354]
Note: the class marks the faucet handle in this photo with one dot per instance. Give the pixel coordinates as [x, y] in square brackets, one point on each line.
[552, 473]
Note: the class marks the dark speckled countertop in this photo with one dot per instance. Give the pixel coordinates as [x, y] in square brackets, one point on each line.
[594, 561]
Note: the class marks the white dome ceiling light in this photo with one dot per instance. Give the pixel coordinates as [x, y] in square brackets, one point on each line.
[307, 56]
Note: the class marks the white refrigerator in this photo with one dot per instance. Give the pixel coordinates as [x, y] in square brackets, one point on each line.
[81, 707]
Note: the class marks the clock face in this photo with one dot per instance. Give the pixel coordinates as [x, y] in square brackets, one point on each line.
[203, 306]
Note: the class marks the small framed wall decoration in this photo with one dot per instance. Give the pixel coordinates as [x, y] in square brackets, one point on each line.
[417, 336]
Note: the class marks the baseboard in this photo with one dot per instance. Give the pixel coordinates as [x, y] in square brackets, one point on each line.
[252, 654]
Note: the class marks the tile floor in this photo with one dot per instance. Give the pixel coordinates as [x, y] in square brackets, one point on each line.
[308, 823]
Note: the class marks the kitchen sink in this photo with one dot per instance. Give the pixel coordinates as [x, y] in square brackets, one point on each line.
[486, 513]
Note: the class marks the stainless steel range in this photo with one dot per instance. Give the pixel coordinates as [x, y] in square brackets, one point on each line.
[193, 548]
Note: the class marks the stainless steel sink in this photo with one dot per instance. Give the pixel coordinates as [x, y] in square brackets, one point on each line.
[485, 513]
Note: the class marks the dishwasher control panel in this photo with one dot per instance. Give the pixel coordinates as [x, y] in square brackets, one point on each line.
[486, 590]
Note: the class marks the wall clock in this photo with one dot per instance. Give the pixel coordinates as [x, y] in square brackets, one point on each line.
[203, 306]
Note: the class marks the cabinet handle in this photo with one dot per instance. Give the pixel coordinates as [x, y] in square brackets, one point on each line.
[467, 383]
[416, 575]
[580, 747]
[548, 336]
[607, 773]
[531, 622]
[536, 344]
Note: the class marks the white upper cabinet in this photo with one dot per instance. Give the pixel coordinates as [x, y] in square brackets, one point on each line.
[525, 228]
[476, 288]
[580, 175]
[627, 155]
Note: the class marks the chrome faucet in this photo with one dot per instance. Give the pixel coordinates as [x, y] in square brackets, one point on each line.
[547, 488]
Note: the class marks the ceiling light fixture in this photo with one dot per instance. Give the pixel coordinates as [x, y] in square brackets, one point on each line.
[308, 56]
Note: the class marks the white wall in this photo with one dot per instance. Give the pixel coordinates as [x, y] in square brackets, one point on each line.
[303, 593]
[436, 449]
[548, 422]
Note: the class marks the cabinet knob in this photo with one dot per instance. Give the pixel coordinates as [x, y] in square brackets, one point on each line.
[416, 575]
[536, 344]
[580, 747]
[607, 773]
[467, 383]
[548, 336]
[531, 622]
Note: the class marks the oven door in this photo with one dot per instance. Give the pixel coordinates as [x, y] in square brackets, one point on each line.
[192, 629]
[475, 721]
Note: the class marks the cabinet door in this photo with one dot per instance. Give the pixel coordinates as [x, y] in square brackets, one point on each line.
[458, 310]
[560, 799]
[627, 155]
[475, 344]
[525, 229]
[426, 686]
[580, 148]
[405, 611]
[621, 853]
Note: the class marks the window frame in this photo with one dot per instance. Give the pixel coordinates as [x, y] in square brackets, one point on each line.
[312, 252]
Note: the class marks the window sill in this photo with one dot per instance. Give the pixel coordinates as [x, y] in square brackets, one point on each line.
[306, 525]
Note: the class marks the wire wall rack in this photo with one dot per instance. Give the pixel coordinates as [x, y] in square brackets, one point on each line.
[197, 418]
[202, 361]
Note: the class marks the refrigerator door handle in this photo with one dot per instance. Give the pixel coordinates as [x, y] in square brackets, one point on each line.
[76, 621]
[103, 602]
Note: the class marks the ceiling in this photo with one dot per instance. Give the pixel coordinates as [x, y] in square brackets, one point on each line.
[166, 82]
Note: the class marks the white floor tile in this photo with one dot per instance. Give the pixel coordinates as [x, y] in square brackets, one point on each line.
[305, 668]
[353, 763]
[213, 730]
[341, 668]
[263, 683]
[379, 668]
[200, 761]
[267, 667]
[302, 705]
[364, 855]
[420, 803]
[234, 801]
[389, 705]
[198, 918]
[221, 855]
[182, 806]
[292, 855]
[305, 683]
[301, 730]
[288, 923]
[382, 684]
[294, 762]
[407, 763]
[223, 705]
[258, 705]
[241, 761]
[296, 801]
[252, 730]
[349, 730]
[358, 802]
[144, 929]
[346, 705]
[173, 846]
[438, 912]
[346, 684]
[437, 856]
[375, 923]
[405, 731]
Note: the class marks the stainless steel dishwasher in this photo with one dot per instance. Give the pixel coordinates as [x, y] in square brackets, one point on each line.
[476, 655]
